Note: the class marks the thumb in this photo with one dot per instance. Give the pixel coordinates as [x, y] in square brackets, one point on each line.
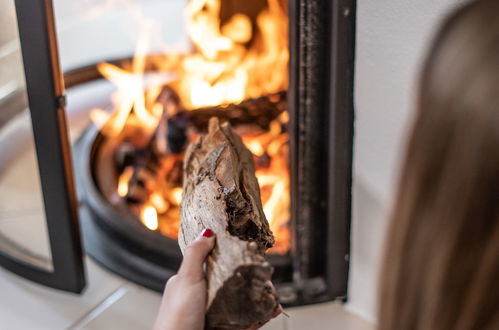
[195, 255]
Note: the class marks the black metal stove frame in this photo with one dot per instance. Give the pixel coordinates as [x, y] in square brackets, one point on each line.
[321, 104]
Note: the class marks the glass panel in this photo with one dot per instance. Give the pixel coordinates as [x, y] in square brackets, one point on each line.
[23, 227]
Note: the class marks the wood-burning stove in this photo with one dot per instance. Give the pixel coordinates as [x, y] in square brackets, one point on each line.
[319, 101]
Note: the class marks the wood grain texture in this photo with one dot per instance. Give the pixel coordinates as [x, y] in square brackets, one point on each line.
[221, 193]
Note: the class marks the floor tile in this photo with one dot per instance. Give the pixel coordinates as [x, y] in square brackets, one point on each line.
[135, 310]
[330, 316]
[26, 305]
[279, 323]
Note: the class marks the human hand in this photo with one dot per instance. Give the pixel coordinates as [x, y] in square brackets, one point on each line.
[184, 299]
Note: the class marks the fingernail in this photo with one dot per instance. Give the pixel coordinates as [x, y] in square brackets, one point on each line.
[207, 233]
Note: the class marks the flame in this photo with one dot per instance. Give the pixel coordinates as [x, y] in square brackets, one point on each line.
[238, 28]
[149, 217]
[176, 195]
[232, 61]
[225, 69]
[255, 148]
[123, 181]
[99, 117]
[274, 181]
[159, 203]
[129, 99]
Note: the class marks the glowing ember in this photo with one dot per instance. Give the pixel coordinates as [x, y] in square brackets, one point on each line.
[255, 148]
[149, 217]
[274, 182]
[159, 203]
[124, 180]
[177, 195]
[230, 62]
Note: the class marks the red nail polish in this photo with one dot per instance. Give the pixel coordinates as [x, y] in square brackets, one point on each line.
[207, 232]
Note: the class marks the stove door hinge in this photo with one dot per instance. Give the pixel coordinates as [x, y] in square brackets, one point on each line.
[61, 101]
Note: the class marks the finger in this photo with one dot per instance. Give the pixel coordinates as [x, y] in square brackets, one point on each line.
[196, 253]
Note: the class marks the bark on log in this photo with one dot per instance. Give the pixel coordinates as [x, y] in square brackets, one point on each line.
[221, 193]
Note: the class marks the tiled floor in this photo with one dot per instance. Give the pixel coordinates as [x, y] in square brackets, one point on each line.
[109, 302]
[25, 305]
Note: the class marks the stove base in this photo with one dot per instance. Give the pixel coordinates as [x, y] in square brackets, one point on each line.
[109, 253]
[120, 243]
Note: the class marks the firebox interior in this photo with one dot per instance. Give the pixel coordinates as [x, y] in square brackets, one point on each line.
[298, 124]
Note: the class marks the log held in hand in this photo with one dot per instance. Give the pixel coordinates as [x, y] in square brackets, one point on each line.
[221, 193]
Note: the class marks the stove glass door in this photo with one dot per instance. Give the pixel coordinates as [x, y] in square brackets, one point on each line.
[23, 226]
[39, 236]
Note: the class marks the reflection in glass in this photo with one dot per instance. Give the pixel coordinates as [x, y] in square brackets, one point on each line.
[23, 228]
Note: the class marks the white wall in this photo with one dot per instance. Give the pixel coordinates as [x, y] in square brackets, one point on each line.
[91, 31]
[392, 38]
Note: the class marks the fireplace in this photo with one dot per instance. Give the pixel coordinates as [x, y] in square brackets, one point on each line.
[281, 72]
[133, 232]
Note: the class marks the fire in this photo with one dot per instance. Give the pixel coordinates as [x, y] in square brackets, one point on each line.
[149, 217]
[238, 59]
[124, 180]
[159, 202]
[177, 195]
[225, 69]
[274, 181]
[255, 148]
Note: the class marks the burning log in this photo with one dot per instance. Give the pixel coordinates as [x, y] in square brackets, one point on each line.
[169, 137]
[172, 127]
[260, 111]
[171, 134]
[221, 192]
